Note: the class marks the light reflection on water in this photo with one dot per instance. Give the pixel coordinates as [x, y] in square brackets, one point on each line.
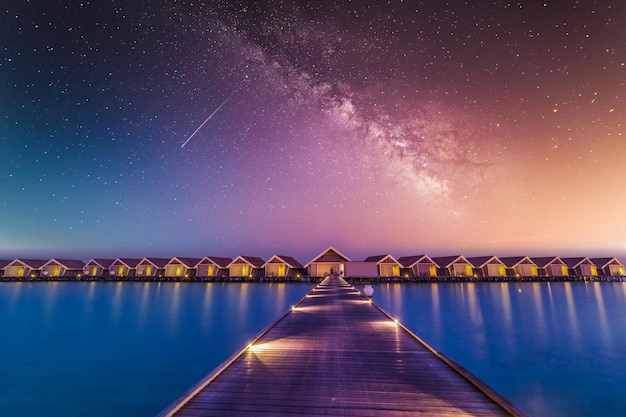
[127, 348]
[554, 349]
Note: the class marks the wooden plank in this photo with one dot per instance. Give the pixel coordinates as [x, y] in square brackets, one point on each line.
[336, 353]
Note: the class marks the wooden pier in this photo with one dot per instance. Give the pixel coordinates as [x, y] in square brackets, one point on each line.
[337, 354]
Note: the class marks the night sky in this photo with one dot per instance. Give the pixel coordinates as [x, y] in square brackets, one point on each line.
[401, 127]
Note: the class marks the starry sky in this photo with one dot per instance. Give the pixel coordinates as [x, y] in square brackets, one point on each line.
[403, 127]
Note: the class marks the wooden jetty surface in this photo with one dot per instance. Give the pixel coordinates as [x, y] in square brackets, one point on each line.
[337, 354]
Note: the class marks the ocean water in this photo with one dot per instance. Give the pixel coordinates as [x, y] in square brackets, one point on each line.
[553, 349]
[123, 349]
[129, 349]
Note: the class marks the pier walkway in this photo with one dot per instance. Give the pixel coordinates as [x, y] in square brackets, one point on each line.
[337, 354]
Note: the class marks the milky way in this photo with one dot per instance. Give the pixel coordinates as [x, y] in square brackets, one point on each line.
[402, 127]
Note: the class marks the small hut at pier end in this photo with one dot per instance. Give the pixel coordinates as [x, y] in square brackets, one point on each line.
[63, 268]
[609, 267]
[418, 266]
[519, 266]
[454, 266]
[580, 267]
[280, 266]
[487, 266]
[24, 268]
[98, 267]
[551, 267]
[387, 266]
[213, 266]
[246, 267]
[329, 262]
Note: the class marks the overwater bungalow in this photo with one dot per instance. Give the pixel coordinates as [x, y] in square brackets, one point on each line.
[63, 268]
[551, 267]
[580, 267]
[328, 262]
[283, 266]
[418, 266]
[213, 266]
[246, 267]
[519, 266]
[97, 267]
[387, 265]
[24, 268]
[454, 266]
[151, 267]
[487, 266]
[182, 267]
[609, 267]
[124, 267]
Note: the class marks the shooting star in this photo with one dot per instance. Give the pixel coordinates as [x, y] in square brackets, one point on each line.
[207, 119]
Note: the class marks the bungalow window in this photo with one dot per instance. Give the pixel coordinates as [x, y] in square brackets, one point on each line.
[210, 271]
[94, 271]
[148, 270]
[20, 271]
[244, 270]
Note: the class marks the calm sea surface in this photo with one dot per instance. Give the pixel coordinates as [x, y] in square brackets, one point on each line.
[129, 349]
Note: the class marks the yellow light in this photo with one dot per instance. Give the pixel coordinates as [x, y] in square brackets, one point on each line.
[396, 322]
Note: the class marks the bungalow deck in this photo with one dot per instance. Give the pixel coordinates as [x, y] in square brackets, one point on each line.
[337, 354]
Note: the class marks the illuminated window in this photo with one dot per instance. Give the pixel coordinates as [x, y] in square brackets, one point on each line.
[179, 271]
[94, 271]
[468, 270]
[120, 271]
[433, 271]
[210, 271]
[20, 271]
[244, 270]
[281, 270]
[564, 270]
[594, 270]
[502, 270]
[533, 270]
[148, 270]
[56, 271]
[395, 270]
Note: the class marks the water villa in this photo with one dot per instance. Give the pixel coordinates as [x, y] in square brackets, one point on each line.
[608, 266]
[63, 268]
[330, 261]
[283, 266]
[387, 265]
[520, 266]
[487, 266]
[98, 267]
[418, 266]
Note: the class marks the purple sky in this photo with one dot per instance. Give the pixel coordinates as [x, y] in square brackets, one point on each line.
[377, 127]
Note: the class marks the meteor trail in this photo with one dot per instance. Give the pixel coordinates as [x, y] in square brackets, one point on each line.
[207, 119]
